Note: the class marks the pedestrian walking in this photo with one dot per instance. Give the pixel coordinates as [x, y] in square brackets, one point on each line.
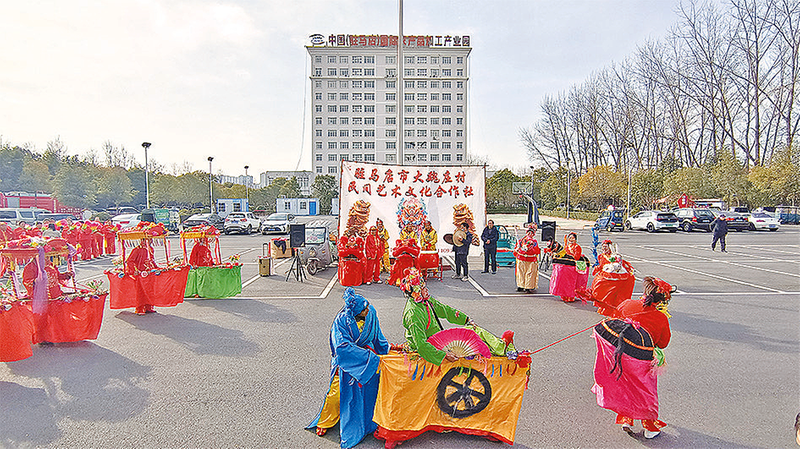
[489, 237]
[720, 228]
[462, 239]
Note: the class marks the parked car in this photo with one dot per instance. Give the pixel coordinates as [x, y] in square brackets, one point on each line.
[278, 222]
[653, 221]
[242, 222]
[690, 219]
[204, 219]
[55, 216]
[736, 221]
[15, 215]
[611, 219]
[763, 220]
[127, 220]
[114, 211]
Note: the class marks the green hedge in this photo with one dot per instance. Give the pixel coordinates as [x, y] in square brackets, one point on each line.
[578, 215]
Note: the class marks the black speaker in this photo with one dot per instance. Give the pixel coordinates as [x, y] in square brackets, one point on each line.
[548, 231]
[297, 235]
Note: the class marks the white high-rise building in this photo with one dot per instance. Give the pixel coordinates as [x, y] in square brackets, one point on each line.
[354, 100]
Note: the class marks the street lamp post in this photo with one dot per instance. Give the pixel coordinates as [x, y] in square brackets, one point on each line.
[210, 186]
[568, 180]
[146, 145]
[246, 189]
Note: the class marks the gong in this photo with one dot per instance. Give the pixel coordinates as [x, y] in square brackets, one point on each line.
[463, 392]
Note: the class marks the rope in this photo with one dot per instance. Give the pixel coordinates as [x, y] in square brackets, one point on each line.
[565, 338]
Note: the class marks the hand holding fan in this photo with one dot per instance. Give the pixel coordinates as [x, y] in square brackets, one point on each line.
[460, 341]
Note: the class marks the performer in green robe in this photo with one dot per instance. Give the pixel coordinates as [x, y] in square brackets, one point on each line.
[421, 320]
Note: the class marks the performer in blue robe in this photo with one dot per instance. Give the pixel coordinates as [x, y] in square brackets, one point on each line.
[356, 340]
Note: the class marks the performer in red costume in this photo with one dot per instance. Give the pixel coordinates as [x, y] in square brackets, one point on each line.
[54, 277]
[86, 240]
[612, 283]
[97, 246]
[351, 260]
[109, 231]
[201, 254]
[142, 258]
[406, 253]
[373, 250]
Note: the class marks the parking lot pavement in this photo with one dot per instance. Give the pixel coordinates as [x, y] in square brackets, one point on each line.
[251, 372]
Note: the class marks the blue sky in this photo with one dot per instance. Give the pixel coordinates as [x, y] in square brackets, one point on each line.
[227, 78]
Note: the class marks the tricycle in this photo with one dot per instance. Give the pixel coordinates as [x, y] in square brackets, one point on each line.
[319, 251]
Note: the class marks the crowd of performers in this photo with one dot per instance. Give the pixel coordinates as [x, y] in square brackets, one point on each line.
[92, 239]
[630, 340]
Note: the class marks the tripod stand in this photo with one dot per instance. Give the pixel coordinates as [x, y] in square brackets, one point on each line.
[296, 267]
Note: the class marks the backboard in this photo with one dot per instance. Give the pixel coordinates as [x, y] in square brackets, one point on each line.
[518, 188]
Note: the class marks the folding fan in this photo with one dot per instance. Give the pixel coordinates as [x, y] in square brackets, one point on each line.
[461, 341]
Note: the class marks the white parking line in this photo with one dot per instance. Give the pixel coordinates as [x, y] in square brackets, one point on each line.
[722, 278]
[724, 261]
[321, 296]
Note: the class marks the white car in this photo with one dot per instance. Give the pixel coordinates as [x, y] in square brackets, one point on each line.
[242, 222]
[277, 222]
[127, 220]
[763, 220]
[652, 221]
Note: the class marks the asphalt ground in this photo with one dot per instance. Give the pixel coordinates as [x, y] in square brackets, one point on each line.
[251, 371]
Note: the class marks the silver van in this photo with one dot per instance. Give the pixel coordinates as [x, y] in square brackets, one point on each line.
[13, 215]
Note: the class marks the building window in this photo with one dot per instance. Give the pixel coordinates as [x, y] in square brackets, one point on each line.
[369, 133]
[358, 145]
[445, 133]
[434, 108]
[319, 169]
[391, 133]
[422, 157]
[331, 71]
[422, 84]
[446, 120]
[434, 146]
[410, 145]
[344, 133]
[434, 73]
[408, 72]
[331, 133]
[369, 96]
[422, 72]
[318, 145]
[331, 96]
[408, 120]
[369, 145]
[409, 108]
[446, 60]
[446, 84]
[358, 84]
[390, 108]
[460, 97]
[331, 145]
[344, 72]
[344, 145]
[460, 60]
[331, 108]
[331, 59]
[331, 158]
[434, 120]
[369, 120]
[408, 133]
[409, 60]
[445, 145]
[332, 169]
[459, 121]
[459, 72]
[422, 121]
[357, 96]
[342, 59]
[369, 157]
[357, 59]
[357, 133]
[391, 120]
[434, 84]
[459, 133]
[357, 72]
[369, 108]
[318, 157]
[459, 145]
[422, 96]
[409, 84]
[369, 59]
[390, 60]
[343, 157]
[391, 96]
[318, 59]
[358, 120]
[369, 84]
[358, 157]
[447, 72]
[459, 108]
[318, 96]
[421, 109]
[460, 84]
[318, 120]
[434, 158]
[317, 71]
[391, 84]
[343, 120]
[422, 133]
[459, 157]
[422, 59]
[318, 108]
[343, 96]
[391, 145]
[331, 120]
[344, 108]
[408, 96]
[389, 157]
[343, 84]
[434, 97]
[391, 73]
[318, 84]
[357, 108]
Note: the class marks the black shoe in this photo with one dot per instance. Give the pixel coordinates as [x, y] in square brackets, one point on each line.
[494, 272]
[724, 251]
[520, 289]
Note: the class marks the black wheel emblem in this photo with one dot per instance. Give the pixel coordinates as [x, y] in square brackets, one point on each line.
[461, 400]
